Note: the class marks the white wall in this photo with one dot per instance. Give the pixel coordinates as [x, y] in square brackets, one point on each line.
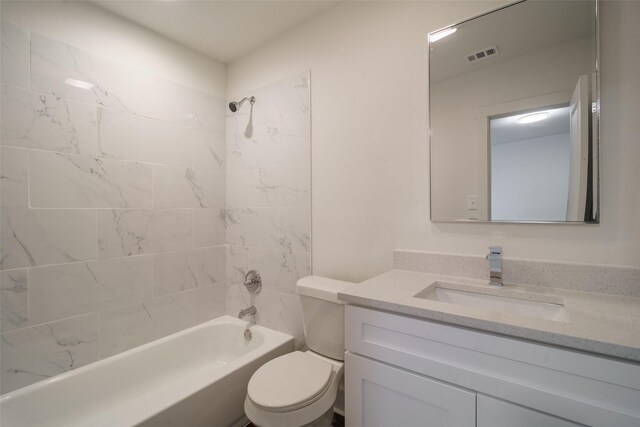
[370, 174]
[92, 28]
[530, 179]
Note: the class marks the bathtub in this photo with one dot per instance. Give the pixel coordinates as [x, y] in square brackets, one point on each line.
[196, 377]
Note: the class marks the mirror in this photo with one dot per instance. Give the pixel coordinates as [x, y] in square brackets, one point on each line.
[514, 109]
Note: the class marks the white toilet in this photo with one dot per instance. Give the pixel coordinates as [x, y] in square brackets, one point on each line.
[300, 388]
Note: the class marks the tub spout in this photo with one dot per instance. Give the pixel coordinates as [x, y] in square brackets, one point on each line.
[251, 311]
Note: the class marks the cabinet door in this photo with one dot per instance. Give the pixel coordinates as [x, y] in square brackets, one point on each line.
[381, 395]
[498, 413]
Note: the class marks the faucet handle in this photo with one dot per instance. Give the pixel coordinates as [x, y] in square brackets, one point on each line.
[253, 282]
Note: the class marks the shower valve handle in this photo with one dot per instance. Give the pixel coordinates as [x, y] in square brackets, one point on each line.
[253, 282]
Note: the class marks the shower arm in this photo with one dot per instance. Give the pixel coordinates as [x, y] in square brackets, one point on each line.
[251, 100]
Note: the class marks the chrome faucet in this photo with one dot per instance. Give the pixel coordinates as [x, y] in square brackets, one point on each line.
[251, 311]
[495, 265]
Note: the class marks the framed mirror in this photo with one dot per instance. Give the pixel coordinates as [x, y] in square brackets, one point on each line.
[514, 110]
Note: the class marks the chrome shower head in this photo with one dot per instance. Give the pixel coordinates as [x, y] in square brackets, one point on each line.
[235, 105]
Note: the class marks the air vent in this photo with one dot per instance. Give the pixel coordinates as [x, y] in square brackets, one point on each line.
[482, 54]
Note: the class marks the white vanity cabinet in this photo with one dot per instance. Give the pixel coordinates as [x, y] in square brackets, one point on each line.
[498, 413]
[403, 371]
[388, 396]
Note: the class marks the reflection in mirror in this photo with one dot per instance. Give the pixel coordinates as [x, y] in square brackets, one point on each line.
[514, 115]
[521, 147]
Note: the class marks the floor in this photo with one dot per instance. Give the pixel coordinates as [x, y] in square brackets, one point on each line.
[338, 420]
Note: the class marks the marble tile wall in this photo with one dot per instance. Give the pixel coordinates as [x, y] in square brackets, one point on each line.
[268, 215]
[112, 208]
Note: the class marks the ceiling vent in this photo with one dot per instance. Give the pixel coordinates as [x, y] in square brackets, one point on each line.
[482, 54]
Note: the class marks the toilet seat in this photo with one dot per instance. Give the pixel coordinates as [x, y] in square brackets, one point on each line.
[290, 382]
[304, 412]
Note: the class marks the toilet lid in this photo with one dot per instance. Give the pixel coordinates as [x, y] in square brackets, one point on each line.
[289, 381]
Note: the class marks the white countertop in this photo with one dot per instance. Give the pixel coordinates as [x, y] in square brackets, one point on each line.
[598, 323]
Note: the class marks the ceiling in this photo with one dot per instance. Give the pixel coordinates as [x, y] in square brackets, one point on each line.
[505, 129]
[516, 30]
[223, 30]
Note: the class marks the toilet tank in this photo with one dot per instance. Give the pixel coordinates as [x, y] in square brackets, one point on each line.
[323, 314]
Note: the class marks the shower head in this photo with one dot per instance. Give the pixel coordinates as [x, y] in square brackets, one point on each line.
[235, 105]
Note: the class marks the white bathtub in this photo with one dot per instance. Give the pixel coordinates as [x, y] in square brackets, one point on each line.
[197, 377]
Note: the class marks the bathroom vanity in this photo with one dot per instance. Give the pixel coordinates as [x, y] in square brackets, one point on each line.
[456, 352]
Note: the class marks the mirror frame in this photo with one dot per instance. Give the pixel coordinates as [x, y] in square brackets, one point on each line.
[596, 99]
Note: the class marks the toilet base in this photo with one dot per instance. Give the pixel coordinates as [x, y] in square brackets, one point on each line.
[326, 420]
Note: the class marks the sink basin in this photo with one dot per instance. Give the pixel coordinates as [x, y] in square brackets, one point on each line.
[501, 300]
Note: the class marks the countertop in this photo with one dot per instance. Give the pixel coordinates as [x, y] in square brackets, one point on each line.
[598, 323]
